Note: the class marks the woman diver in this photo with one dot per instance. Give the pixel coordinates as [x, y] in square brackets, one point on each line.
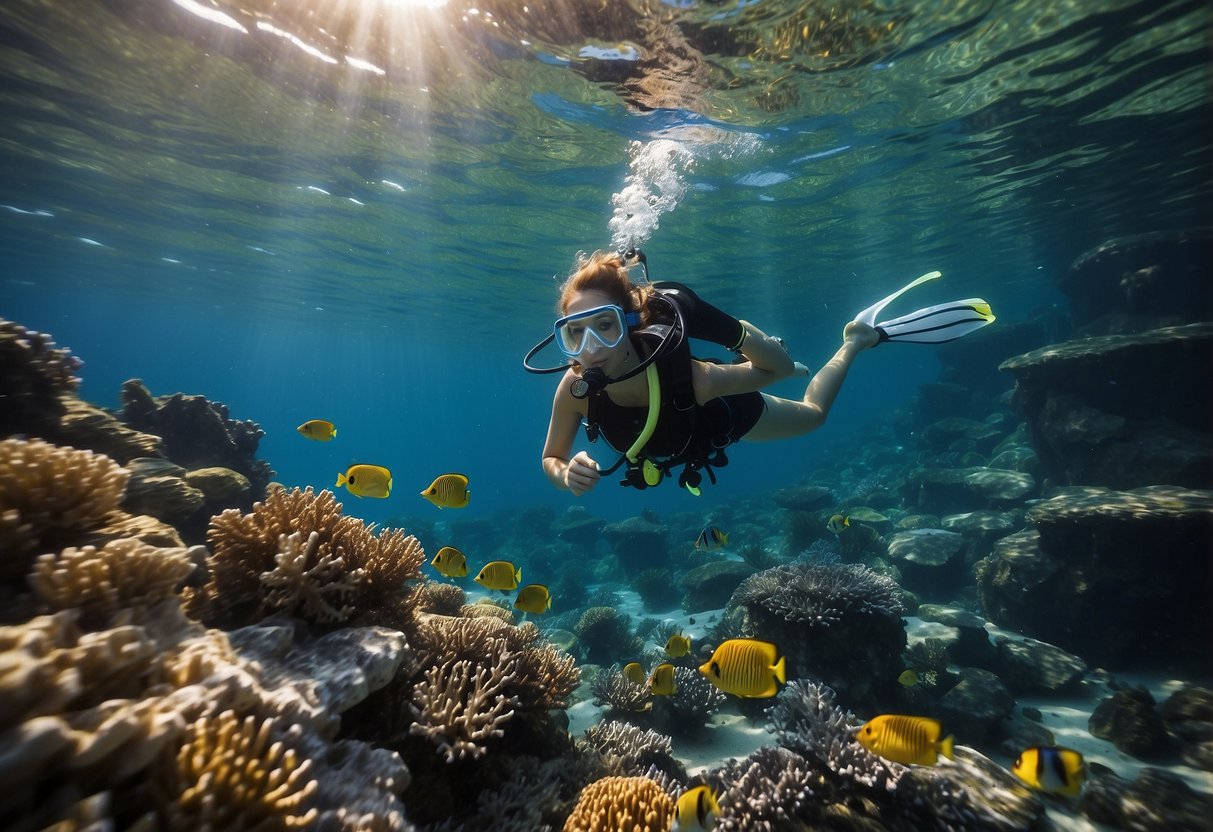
[632, 380]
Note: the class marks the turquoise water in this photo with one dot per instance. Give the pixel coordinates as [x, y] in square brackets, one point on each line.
[359, 211]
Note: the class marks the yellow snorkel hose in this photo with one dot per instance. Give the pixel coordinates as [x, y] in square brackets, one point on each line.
[652, 475]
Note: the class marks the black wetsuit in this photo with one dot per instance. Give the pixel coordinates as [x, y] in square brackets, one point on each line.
[726, 419]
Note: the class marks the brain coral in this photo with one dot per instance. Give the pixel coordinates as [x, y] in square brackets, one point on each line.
[48, 497]
[296, 553]
[622, 804]
[840, 623]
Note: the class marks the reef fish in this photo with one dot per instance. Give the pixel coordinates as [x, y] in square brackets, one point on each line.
[678, 645]
[634, 673]
[451, 562]
[367, 481]
[533, 598]
[837, 523]
[662, 682]
[448, 491]
[1052, 769]
[746, 667]
[318, 429]
[697, 810]
[711, 539]
[907, 679]
[500, 575]
[909, 740]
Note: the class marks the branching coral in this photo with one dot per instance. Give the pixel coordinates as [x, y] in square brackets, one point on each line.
[296, 552]
[231, 773]
[818, 613]
[460, 706]
[691, 705]
[34, 373]
[621, 804]
[612, 689]
[123, 574]
[768, 791]
[48, 496]
[441, 598]
[629, 750]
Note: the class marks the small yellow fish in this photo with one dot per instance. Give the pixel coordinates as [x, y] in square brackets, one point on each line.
[908, 678]
[500, 575]
[533, 598]
[678, 646]
[909, 740]
[367, 481]
[662, 681]
[451, 562]
[634, 673]
[318, 429]
[1051, 768]
[697, 810]
[448, 491]
[746, 667]
[837, 523]
[711, 539]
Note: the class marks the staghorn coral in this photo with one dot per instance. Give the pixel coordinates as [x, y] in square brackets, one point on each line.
[123, 574]
[49, 496]
[690, 706]
[629, 751]
[460, 706]
[818, 613]
[621, 804]
[612, 689]
[768, 791]
[299, 547]
[230, 773]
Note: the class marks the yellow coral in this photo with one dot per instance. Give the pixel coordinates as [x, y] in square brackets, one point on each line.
[622, 804]
[122, 574]
[229, 773]
[49, 496]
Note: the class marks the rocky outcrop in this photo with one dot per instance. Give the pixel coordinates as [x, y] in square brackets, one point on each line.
[1117, 577]
[1121, 410]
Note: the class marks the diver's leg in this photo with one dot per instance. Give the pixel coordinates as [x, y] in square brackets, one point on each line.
[783, 419]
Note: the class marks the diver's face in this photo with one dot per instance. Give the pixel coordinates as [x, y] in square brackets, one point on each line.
[596, 354]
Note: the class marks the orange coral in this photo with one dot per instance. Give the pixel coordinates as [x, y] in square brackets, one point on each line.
[622, 804]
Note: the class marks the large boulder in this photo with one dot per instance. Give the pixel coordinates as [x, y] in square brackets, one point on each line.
[1117, 577]
[1121, 410]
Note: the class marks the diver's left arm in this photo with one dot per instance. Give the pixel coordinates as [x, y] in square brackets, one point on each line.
[766, 363]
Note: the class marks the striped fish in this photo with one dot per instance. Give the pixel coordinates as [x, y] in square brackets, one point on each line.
[1052, 769]
[662, 682]
[909, 740]
[745, 667]
[448, 491]
[697, 810]
[500, 575]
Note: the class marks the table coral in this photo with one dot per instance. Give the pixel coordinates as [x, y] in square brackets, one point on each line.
[622, 804]
[48, 496]
[231, 773]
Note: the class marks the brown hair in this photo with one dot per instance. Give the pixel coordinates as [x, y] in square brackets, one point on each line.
[604, 271]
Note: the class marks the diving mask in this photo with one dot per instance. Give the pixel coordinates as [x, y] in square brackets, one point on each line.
[605, 324]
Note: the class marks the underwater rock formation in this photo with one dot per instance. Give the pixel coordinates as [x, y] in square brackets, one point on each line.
[1156, 799]
[1141, 554]
[929, 561]
[638, 542]
[198, 433]
[1092, 424]
[817, 615]
[945, 491]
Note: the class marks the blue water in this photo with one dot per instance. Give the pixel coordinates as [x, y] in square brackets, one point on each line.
[228, 215]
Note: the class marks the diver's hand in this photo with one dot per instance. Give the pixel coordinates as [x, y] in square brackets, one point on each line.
[861, 335]
[582, 474]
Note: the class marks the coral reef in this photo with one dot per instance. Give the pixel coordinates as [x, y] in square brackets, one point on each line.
[621, 804]
[34, 374]
[629, 751]
[604, 635]
[460, 706]
[441, 598]
[296, 553]
[818, 614]
[49, 496]
[232, 773]
[620, 695]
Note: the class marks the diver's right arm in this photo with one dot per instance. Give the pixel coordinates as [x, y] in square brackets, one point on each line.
[579, 474]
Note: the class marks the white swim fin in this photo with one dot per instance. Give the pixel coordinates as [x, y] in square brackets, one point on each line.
[938, 324]
[932, 325]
